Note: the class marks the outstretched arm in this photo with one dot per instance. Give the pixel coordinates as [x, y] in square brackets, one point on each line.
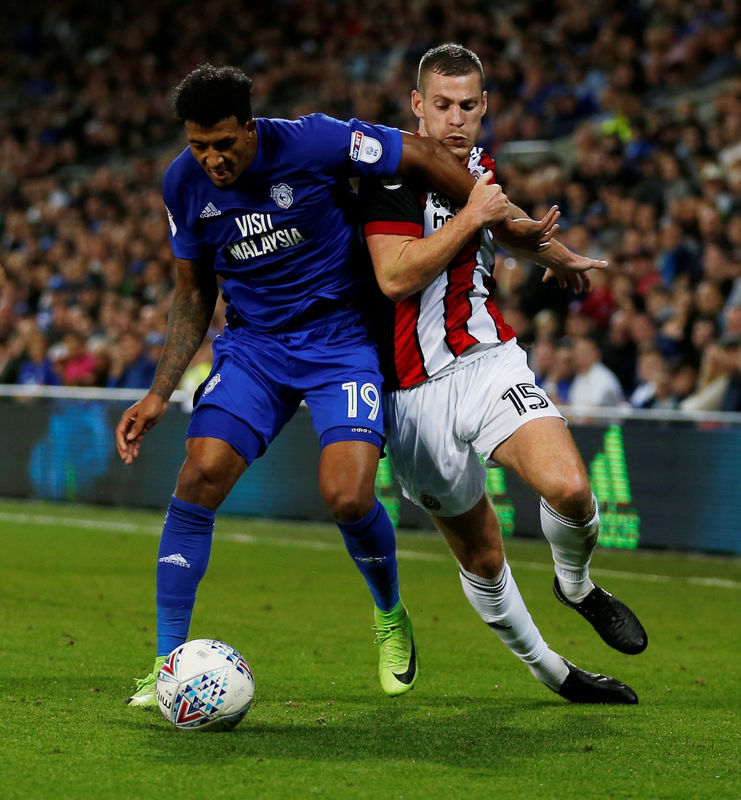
[190, 314]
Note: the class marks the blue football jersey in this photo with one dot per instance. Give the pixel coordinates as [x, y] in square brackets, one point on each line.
[284, 236]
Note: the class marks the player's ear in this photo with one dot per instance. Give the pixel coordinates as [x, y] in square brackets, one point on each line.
[417, 101]
[484, 103]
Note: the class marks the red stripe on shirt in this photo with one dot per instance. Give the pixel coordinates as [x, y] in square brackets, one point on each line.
[504, 331]
[457, 302]
[488, 162]
[408, 359]
[394, 228]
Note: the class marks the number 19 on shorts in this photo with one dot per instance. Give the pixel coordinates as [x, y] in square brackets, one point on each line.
[367, 394]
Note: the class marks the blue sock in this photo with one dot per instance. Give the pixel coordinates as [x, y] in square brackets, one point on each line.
[183, 556]
[372, 544]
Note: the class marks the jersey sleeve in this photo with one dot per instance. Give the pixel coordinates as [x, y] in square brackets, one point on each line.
[355, 148]
[182, 241]
[391, 206]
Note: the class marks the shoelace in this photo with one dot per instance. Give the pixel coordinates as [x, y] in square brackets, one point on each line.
[142, 682]
[394, 646]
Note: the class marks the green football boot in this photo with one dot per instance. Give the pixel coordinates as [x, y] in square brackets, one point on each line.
[144, 695]
[398, 667]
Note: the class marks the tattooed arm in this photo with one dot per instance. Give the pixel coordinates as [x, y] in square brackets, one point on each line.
[190, 314]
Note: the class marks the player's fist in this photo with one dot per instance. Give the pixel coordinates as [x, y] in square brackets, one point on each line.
[488, 201]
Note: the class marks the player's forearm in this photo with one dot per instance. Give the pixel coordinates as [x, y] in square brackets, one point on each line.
[187, 323]
[425, 156]
[556, 256]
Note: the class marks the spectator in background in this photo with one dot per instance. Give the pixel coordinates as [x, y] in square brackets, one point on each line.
[704, 330]
[36, 368]
[594, 384]
[716, 370]
[650, 363]
[131, 366]
[620, 352]
[76, 364]
[556, 382]
[684, 380]
[679, 258]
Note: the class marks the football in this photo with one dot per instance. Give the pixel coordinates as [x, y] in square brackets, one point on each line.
[205, 684]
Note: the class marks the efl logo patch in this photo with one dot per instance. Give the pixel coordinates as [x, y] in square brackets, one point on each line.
[365, 148]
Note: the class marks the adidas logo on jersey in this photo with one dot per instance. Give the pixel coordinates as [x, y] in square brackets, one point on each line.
[210, 211]
[177, 559]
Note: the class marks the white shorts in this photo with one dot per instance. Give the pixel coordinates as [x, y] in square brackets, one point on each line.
[440, 432]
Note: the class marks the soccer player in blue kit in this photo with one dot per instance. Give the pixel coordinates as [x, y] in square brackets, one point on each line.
[266, 205]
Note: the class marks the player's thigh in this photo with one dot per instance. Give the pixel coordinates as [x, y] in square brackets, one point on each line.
[338, 374]
[544, 455]
[246, 400]
[437, 470]
[497, 396]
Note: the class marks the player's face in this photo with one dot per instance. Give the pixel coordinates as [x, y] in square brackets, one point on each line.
[450, 109]
[224, 150]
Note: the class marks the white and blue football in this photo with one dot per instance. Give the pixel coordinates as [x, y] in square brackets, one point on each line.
[205, 684]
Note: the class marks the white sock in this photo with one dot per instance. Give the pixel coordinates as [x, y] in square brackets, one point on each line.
[572, 542]
[499, 603]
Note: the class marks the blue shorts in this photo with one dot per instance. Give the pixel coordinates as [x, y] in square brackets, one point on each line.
[258, 381]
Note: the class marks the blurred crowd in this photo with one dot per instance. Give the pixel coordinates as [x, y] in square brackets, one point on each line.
[643, 98]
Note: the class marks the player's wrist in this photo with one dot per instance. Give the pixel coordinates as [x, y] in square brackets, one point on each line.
[472, 218]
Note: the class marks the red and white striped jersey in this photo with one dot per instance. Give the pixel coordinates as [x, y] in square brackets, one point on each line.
[422, 335]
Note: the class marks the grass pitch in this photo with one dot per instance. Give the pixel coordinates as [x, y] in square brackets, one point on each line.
[76, 604]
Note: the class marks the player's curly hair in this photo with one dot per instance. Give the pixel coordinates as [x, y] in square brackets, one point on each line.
[449, 59]
[210, 94]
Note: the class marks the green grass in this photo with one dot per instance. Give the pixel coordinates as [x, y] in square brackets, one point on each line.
[76, 615]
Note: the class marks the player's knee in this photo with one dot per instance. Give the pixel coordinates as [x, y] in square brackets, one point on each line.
[202, 481]
[571, 494]
[484, 563]
[348, 505]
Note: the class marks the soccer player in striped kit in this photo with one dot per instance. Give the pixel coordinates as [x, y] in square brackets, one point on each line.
[458, 390]
[266, 206]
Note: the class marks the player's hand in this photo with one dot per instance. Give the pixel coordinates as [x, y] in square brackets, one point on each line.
[528, 234]
[135, 422]
[573, 274]
[488, 201]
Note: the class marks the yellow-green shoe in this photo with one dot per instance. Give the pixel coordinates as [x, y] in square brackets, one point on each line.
[145, 696]
[398, 666]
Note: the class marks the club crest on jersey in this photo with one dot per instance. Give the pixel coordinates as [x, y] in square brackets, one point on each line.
[282, 195]
[365, 148]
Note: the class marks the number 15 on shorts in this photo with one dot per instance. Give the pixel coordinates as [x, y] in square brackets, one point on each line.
[367, 394]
